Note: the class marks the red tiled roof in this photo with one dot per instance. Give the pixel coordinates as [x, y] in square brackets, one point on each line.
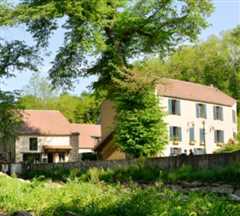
[44, 122]
[88, 134]
[193, 91]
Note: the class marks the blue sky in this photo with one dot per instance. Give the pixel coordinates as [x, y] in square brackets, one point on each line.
[225, 17]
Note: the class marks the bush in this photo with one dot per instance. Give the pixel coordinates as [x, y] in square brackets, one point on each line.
[228, 148]
[87, 199]
[228, 174]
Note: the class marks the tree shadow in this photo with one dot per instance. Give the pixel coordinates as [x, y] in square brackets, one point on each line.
[141, 203]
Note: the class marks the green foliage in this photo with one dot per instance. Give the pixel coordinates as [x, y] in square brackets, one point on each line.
[10, 118]
[78, 109]
[38, 94]
[227, 174]
[14, 56]
[148, 175]
[110, 31]
[54, 199]
[142, 174]
[228, 148]
[213, 62]
[140, 128]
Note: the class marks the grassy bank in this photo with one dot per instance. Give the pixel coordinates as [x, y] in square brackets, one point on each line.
[100, 199]
[140, 173]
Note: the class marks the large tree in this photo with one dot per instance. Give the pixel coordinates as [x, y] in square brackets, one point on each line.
[140, 127]
[112, 32]
[14, 56]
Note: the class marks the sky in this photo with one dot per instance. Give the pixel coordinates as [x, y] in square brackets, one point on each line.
[226, 16]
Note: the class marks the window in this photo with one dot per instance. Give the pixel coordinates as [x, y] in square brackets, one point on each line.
[175, 134]
[202, 136]
[175, 151]
[33, 144]
[199, 151]
[219, 136]
[234, 135]
[234, 116]
[174, 107]
[191, 136]
[201, 110]
[32, 157]
[218, 113]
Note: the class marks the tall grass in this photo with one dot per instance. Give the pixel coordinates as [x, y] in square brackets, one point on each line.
[88, 199]
[142, 174]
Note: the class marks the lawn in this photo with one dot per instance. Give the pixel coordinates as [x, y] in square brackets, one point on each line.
[96, 198]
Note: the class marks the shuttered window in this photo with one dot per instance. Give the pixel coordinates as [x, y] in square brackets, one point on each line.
[191, 135]
[218, 113]
[174, 107]
[234, 116]
[175, 133]
[202, 136]
[201, 110]
[219, 136]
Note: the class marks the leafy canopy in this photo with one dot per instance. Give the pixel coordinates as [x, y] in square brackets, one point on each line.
[110, 31]
[14, 56]
[140, 127]
[101, 38]
[215, 61]
[38, 94]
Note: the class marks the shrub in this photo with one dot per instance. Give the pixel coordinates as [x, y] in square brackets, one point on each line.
[228, 148]
[87, 199]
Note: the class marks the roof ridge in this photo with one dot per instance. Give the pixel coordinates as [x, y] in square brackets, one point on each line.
[194, 91]
[43, 110]
[194, 83]
[85, 124]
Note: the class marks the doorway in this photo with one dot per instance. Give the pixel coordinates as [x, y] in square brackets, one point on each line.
[50, 157]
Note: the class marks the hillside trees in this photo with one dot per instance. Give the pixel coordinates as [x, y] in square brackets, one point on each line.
[112, 32]
[215, 61]
[39, 94]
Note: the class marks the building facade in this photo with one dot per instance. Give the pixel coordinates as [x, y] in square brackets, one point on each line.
[199, 119]
[197, 126]
[47, 136]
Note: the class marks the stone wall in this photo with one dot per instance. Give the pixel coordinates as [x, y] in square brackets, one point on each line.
[166, 163]
[74, 142]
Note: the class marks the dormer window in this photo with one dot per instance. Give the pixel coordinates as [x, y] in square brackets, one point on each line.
[174, 107]
[218, 113]
[201, 110]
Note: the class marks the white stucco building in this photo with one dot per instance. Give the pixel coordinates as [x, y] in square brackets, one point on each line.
[199, 118]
